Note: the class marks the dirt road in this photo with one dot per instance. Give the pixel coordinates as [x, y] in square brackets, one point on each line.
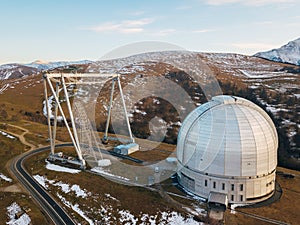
[20, 136]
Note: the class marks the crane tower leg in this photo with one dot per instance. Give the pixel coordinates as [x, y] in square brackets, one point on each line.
[125, 111]
[105, 138]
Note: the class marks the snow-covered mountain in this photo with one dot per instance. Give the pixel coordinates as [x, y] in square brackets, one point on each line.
[40, 65]
[15, 70]
[289, 53]
[8, 71]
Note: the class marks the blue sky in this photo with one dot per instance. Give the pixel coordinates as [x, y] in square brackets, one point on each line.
[74, 30]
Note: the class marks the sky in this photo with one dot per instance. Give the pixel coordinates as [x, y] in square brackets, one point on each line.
[65, 30]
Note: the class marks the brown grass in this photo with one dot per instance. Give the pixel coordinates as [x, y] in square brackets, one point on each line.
[11, 129]
[36, 139]
[10, 149]
[137, 200]
[23, 200]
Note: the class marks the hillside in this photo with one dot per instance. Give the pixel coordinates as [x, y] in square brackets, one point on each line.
[274, 86]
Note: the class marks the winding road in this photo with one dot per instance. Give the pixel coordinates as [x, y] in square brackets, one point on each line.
[54, 211]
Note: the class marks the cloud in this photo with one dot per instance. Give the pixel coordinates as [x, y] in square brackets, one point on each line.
[295, 24]
[254, 46]
[183, 7]
[248, 2]
[220, 2]
[125, 26]
[137, 13]
[162, 33]
[264, 23]
[203, 31]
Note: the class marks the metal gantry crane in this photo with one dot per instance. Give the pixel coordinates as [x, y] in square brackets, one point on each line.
[58, 82]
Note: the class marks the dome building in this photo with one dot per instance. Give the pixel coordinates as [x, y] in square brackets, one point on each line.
[227, 152]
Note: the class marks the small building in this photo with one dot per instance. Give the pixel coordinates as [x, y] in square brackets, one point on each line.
[217, 200]
[26, 209]
[126, 149]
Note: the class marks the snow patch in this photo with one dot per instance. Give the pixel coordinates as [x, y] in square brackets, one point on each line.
[156, 101]
[3, 177]
[7, 135]
[111, 197]
[41, 180]
[260, 75]
[169, 218]
[3, 88]
[12, 210]
[127, 217]
[141, 112]
[64, 187]
[78, 191]
[50, 103]
[58, 168]
[175, 218]
[75, 208]
[233, 206]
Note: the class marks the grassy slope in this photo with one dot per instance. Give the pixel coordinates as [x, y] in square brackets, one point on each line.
[10, 149]
[137, 200]
[27, 96]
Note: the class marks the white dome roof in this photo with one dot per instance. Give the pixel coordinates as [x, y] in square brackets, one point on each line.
[228, 136]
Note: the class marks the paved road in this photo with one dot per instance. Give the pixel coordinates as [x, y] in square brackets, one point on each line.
[41, 196]
[48, 204]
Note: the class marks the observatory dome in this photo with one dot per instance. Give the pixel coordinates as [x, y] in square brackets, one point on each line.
[228, 146]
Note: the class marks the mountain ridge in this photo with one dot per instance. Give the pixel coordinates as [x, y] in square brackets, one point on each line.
[288, 53]
[38, 64]
[17, 70]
